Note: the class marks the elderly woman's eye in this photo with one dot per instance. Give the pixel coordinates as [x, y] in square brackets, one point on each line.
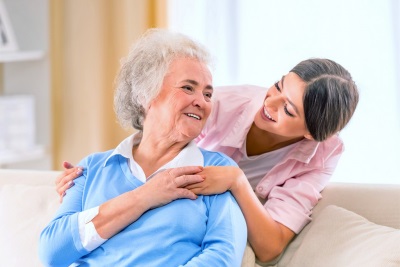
[208, 95]
[188, 88]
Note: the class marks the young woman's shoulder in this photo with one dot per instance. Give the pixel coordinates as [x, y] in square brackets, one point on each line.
[232, 102]
[238, 92]
[331, 147]
[333, 143]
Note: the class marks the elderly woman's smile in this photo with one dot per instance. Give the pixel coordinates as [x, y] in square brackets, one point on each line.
[193, 116]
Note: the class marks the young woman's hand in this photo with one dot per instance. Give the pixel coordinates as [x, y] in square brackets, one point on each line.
[170, 184]
[65, 179]
[217, 180]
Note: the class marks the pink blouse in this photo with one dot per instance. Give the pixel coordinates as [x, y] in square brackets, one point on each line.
[292, 187]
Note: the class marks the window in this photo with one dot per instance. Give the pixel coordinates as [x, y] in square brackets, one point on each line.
[257, 41]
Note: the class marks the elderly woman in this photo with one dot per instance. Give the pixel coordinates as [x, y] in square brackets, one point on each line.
[118, 213]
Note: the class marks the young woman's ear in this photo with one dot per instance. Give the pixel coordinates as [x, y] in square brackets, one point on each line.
[308, 136]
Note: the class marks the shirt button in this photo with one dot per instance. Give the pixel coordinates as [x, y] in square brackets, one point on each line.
[260, 188]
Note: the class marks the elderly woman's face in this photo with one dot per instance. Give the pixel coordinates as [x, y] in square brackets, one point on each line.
[181, 109]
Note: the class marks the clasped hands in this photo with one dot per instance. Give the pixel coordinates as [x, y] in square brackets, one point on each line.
[171, 184]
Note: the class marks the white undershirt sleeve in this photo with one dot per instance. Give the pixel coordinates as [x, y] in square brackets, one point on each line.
[89, 237]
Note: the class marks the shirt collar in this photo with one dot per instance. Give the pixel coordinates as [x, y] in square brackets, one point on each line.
[191, 155]
[306, 148]
[125, 147]
[304, 151]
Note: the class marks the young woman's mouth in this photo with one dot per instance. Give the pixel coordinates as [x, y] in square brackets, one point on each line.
[266, 115]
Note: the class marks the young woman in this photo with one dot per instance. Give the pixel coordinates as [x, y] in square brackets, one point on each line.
[285, 141]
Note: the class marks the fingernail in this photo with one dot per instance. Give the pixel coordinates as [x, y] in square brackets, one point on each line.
[70, 183]
[64, 193]
[79, 172]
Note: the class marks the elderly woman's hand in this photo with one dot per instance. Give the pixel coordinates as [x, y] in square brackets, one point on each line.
[65, 180]
[170, 184]
[217, 180]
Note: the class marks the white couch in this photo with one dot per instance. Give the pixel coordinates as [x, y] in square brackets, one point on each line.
[353, 225]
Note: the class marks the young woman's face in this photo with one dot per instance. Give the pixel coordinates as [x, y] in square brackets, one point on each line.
[282, 113]
[181, 109]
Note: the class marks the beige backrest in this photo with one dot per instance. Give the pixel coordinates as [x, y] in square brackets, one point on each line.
[31, 177]
[377, 203]
[28, 201]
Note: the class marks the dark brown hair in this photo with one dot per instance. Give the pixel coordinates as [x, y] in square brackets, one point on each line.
[330, 97]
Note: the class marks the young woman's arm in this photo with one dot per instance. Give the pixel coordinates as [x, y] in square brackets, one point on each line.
[267, 237]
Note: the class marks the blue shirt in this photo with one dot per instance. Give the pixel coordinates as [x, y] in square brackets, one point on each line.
[208, 231]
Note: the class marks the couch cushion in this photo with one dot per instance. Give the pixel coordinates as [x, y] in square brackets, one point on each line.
[249, 258]
[339, 237]
[24, 212]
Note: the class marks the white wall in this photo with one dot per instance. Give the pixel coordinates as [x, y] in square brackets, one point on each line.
[258, 41]
[30, 23]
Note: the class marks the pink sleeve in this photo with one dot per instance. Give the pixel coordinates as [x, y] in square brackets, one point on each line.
[291, 204]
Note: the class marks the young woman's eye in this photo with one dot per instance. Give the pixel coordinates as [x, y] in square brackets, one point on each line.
[287, 111]
[277, 86]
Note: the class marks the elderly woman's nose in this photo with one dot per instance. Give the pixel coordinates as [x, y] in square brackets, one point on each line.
[199, 100]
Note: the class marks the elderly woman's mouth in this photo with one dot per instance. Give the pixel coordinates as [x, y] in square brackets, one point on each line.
[197, 117]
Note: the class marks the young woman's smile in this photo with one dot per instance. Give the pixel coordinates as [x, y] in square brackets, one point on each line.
[266, 115]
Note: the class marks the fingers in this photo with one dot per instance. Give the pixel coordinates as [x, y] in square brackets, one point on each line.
[184, 193]
[68, 175]
[200, 188]
[195, 185]
[67, 165]
[197, 191]
[65, 180]
[170, 184]
[184, 176]
[62, 190]
[185, 180]
[175, 172]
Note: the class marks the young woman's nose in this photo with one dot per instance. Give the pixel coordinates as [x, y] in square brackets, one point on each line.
[273, 102]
